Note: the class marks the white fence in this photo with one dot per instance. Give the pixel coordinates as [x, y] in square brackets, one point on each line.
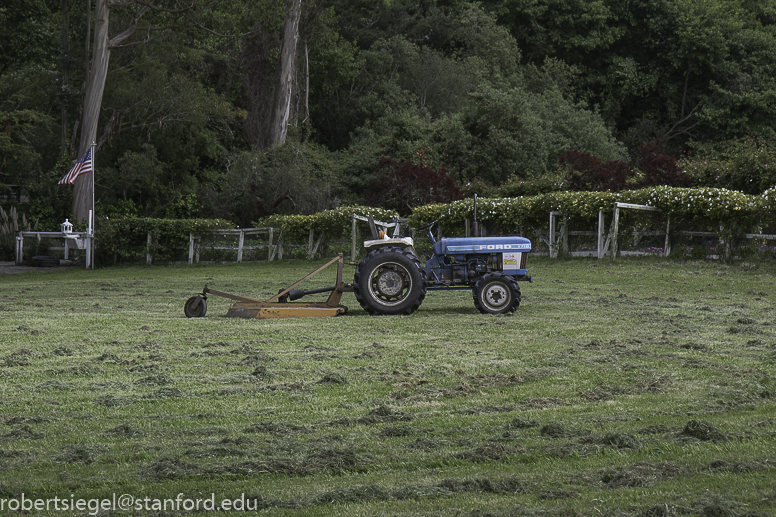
[276, 243]
[608, 244]
[73, 241]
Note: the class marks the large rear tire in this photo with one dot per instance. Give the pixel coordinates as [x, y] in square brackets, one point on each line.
[496, 293]
[390, 281]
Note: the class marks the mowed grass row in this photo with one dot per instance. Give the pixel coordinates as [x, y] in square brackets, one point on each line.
[636, 387]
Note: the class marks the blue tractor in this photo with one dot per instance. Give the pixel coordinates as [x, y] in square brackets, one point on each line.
[391, 280]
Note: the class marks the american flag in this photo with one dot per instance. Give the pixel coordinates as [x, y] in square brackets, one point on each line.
[82, 166]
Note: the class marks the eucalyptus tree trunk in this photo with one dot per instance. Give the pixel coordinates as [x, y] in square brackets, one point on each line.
[65, 47]
[281, 107]
[95, 85]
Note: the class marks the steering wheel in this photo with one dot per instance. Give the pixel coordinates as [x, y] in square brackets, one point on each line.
[428, 226]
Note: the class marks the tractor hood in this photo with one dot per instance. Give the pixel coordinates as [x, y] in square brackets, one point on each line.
[465, 245]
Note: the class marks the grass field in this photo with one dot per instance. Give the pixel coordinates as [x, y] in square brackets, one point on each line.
[635, 388]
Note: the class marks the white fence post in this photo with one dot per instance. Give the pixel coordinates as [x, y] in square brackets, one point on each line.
[318, 243]
[553, 244]
[191, 248]
[19, 250]
[240, 244]
[615, 229]
[601, 224]
[149, 255]
[353, 237]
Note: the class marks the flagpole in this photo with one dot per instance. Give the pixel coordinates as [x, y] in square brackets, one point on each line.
[94, 212]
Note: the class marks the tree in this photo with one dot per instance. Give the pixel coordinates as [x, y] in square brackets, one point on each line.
[26, 67]
[95, 85]
[684, 69]
[290, 178]
[405, 186]
[26, 27]
[170, 12]
[286, 67]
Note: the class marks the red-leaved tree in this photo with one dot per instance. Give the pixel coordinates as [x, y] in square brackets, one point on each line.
[402, 186]
[660, 168]
[588, 173]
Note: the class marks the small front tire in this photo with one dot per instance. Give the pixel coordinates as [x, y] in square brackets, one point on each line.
[496, 293]
[199, 311]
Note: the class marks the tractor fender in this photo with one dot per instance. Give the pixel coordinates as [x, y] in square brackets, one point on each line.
[398, 242]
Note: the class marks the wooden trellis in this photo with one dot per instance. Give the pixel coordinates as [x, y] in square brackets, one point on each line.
[559, 240]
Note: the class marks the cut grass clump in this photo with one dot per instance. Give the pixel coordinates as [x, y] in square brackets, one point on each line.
[170, 468]
[80, 454]
[489, 452]
[703, 431]
[640, 474]
[125, 431]
[278, 428]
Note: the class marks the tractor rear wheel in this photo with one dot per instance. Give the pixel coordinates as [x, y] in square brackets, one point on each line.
[390, 281]
[496, 293]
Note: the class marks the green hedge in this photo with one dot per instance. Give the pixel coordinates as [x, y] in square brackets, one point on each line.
[335, 223]
[127, 238]
[701, 207]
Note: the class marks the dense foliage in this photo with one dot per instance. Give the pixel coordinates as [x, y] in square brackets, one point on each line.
[405, 186]
[701, 207]
[508, 98]
[586, 172]
[334, 223]
[128, 238]
[728, 213]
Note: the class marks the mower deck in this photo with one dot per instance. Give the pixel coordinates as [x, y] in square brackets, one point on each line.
[278, 306]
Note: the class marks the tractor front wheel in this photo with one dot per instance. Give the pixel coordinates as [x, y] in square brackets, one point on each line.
[496, 293]
[390, 281]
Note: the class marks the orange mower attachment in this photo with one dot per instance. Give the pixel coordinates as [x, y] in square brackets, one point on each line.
[279, 305]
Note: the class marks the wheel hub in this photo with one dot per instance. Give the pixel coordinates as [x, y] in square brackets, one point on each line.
[496, 295]
[390, 282]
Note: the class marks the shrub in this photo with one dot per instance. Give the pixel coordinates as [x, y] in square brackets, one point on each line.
[127, 238]
[659, 168]
[291, 178]
[552, 182]
[9, 228]
[747, 164]
[404, 186]
[588, 173]
[707, 207]
[335, 223]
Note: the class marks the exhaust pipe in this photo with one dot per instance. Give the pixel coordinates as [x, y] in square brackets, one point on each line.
[475, 226]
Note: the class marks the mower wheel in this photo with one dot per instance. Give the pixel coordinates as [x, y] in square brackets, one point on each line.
[390, 281]
[195, 312]
[496, 293]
